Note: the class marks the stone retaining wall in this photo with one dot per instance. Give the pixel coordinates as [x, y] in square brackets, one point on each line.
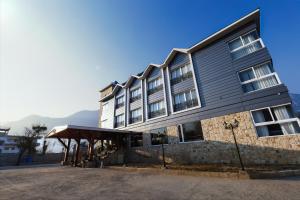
[218, 145]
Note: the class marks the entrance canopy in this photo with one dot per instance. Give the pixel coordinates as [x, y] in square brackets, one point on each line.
[84, 132]
[91, 134]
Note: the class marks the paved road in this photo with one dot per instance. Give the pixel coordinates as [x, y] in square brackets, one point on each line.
[78, 183]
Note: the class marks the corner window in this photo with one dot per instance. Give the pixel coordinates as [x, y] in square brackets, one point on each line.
[185, 100]
[159, 136]
[136, 140]
[156, 109]
[259, 77]
[245, 44]
[191, 131]
[272, 121]
[181, 73]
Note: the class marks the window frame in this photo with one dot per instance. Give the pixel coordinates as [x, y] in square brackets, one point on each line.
[185, 99]
[258, 78]
[182, 76]
[245, 45]
[294, 119]
[182, 134]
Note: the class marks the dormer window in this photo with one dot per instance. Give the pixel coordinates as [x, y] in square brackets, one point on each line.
[181, 73]
[245, 44]
[155, 85]
[135, 94]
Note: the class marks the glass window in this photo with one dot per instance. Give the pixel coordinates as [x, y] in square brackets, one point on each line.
[136, 115]
[159, 136]
[136, 140]
[279, 120]
[120, 100]
[136, 92]
[154, 83]
[259, 77]
[181, 73]
[191, 131]
[245, 44]
[185, 100]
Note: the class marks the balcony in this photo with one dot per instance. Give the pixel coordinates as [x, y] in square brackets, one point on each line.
[181, 78]
[135, 119]
[247, 49]
[156, 113]
[133, 99]
[119, 124]
[185, 105]
[119, 105]
[156, 89]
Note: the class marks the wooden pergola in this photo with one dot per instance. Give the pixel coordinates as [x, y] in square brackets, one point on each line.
[91, 134]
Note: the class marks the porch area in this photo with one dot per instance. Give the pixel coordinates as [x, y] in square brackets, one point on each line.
[71, 135]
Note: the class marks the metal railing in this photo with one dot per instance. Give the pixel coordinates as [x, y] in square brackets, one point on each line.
[133, 99]
[156, 89]
[135, 119]
[185, 105]
[182, 78]
[156, 113]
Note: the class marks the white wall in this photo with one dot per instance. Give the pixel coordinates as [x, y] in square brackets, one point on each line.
[107, 116]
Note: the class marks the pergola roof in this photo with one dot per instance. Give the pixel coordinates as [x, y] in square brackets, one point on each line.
[85, 132]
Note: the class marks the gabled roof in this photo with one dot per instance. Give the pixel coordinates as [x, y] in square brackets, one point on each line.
[251, 17]
[148, 69]
[173, 53]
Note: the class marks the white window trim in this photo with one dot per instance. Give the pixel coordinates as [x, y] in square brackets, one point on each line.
[195, 87]
[165, 92]
[185, 101]
[124, 121]
[170, 91]
[295, 119]
[195, 80]
[183, 140]
[257, 79]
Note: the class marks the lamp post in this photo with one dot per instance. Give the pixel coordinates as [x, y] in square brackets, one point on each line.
[161, 138]
[232, 126]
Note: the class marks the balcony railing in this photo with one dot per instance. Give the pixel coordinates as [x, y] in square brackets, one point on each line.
[156, 89]
[119, 105]
[181, 78]
[135, 119]
[119, 124]
[133, 99]
[247, 49]
[156, 113]
[185, 105]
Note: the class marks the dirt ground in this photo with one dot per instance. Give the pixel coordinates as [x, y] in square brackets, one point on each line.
[53, 182]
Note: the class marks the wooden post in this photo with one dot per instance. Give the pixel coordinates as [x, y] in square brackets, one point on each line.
[91, 149]
[77, 152]
[66, 158]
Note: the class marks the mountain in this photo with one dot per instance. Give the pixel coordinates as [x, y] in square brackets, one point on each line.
[296, 101]
[81, 118]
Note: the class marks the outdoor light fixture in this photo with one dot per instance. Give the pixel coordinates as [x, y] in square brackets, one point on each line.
[232, 126]
[161, 138]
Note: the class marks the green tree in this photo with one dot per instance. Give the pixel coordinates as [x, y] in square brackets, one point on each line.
[28, 142]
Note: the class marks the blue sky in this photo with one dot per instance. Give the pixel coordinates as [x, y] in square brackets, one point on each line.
[55, 55]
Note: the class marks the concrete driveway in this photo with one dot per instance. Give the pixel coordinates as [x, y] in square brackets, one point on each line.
[52, 182]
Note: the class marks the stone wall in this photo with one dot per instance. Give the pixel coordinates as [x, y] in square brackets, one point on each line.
[218, 145]
[11, 159]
